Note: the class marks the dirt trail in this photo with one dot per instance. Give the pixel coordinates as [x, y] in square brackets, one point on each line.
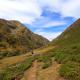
[50, 73]
[35, 73]
[31, 74]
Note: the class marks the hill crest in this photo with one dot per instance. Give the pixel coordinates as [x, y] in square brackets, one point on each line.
[14, 36]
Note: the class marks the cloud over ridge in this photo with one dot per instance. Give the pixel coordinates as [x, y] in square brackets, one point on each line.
[37, 12]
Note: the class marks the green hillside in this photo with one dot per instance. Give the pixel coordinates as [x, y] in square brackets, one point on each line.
[67, 52]
[70, 35]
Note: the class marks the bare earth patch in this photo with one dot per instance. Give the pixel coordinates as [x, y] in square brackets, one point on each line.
[50, 73]
[36, 73]
[31, 74]
[13, 60]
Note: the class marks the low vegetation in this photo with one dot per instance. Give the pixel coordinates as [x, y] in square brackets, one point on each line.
[68, 52]
[70, 70]
[69, 57]
[15, 70]
[46, 59]
[4, 54]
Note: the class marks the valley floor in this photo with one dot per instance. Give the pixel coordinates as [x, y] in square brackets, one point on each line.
[16, 59]
[50, 73]
[36, 73]
[31, 74]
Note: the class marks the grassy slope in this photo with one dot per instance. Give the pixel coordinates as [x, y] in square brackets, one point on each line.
[16, 39]
[18, 64]
[68, 52]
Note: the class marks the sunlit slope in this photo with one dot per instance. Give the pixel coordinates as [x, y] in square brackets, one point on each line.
[16, 38]
[70, 36]
[67, 52]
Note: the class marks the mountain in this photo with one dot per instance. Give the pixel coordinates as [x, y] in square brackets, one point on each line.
[67, 52]
[61, 57]
[70, 35]
[15, 38]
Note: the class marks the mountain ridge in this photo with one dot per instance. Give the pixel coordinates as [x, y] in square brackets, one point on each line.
[67, 52]
[70, 35]
[14, 36]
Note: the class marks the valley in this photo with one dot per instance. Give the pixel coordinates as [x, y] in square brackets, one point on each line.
[57, 60]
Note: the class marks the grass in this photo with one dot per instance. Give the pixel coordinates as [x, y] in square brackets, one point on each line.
[18, 69]
[4, 54]
[18, 64]
[46, 59]
[15, 70]
[70, 71]
[69, 57]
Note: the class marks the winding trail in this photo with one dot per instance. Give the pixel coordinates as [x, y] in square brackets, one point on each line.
[31, 74]
[35, 73]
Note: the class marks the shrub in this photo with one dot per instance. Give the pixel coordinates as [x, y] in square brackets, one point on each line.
[46, 59]
[2, 44]
[47, 64]
[3, 54]
[70, 71]
[9, 53]
[61, 57]
[13, 53]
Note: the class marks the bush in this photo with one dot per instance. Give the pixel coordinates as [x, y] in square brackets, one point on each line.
[2, 75]
[13, 53]
[70, 71]
[46, 59]
[3, 54]
[47, 64]
[9, 53]
[3, 44]
[62, 57]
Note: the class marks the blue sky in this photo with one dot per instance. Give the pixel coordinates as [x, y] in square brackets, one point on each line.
[48, 18]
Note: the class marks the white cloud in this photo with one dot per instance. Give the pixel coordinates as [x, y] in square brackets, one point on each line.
[22, 10]
[53, 23]
[49, 35]
[71, 8]
[46, 22]
[52, 5]
[30, 10]
[67, 8]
